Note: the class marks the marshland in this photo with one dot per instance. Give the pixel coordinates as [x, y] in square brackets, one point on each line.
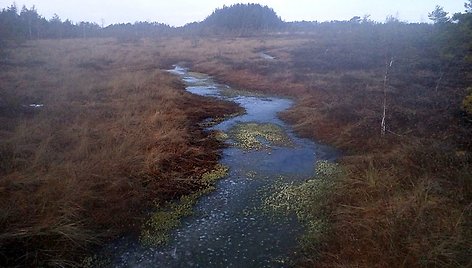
[242, 139]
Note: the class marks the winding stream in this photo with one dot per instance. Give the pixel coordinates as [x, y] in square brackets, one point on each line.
[228, 228]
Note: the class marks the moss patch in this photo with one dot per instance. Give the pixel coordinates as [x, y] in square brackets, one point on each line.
[307, 201]
[156, 231]
[254, 136]
[232, 92]
[209, 178]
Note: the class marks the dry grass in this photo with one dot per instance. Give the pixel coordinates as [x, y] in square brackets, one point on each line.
[115, 134]
[405, 200]
[407, 208]
[128, 136]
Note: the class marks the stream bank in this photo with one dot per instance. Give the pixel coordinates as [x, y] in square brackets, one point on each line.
[229, 227]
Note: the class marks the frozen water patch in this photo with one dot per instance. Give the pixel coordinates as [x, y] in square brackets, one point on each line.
[34, 105]
[266, 56]
[229, 228]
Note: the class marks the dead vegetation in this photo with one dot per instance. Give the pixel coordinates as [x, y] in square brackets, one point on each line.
[115, 131]
[111, 133]
[405, 200]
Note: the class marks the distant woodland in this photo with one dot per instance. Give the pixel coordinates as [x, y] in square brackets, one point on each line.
[95, 133]
[450, 35]
[237, 20]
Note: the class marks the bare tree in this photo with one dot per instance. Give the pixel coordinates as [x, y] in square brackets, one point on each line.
[383, 125]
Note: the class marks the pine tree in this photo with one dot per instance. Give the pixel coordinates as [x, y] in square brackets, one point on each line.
[438, 15]
[468, 6]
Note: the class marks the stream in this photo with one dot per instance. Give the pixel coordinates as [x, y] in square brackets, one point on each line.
[228, 227]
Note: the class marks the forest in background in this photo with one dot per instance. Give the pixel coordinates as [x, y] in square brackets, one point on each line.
[406, 196]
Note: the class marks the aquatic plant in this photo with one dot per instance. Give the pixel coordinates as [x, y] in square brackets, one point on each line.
[233, 92]
[167, 217]
[220, 135]
[306, 201]
[292, 198]
[254, 136]
[209, 178]
[157, 228]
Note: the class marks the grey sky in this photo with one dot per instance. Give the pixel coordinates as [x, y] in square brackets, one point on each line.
[180, 12]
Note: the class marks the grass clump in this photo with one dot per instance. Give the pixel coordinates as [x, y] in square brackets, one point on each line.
[307, 201]
[113, 136]
[156, 231]
[391, 209]
[414, 211]
[254, 136]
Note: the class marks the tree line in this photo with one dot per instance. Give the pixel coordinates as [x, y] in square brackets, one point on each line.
[242, 19]
[26, 24]
[452, 35]
[239, 19]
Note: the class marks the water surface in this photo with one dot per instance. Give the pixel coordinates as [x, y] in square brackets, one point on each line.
[229, 228]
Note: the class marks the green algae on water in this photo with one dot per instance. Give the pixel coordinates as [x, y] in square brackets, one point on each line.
[255, 136]
[209, 178]
[156, 230]
[220, 135]
[307, 201]
[232, 92]
[166, 218]
[289, 197]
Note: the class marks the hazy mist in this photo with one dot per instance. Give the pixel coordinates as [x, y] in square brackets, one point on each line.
[180, 12]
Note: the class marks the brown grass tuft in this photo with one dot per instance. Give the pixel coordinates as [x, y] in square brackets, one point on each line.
[115, 134]
[406, 199]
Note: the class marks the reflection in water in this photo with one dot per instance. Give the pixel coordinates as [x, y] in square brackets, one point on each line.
[228, 228]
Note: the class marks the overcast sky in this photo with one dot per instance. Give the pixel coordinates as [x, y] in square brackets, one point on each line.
[180, 12]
